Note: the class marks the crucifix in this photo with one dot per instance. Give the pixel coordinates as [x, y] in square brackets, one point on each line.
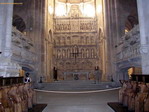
[75, 53]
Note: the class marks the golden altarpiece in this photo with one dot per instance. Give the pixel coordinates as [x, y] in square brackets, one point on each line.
[76, 40]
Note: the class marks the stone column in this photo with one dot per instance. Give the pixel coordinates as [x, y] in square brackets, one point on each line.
[7, 68]
[1, 23]
[8, 28]
[144, 33]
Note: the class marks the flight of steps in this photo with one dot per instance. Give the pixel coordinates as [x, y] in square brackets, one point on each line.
[76, 85]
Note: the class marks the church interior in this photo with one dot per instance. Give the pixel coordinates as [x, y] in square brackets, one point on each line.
[74, 56]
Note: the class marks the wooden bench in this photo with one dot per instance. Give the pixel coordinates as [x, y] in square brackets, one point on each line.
[6, 81]
[140, 78]
[117, 107]
[37, 108]
[134, 94]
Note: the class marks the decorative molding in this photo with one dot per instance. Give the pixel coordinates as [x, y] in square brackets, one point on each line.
[129, 46]
[144, 49]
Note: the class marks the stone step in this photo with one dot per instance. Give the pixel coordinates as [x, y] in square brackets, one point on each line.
[76, 85]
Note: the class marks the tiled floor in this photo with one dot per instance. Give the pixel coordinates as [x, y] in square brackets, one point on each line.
[88, 102]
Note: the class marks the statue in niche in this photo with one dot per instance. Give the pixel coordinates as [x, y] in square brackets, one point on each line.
[81, 26]
[87, 40]
[87, 26]
[92, 40]
[69, 27]
[74, 11]
[92, 53]
[82, 53]
[64, 26]
[58, 53]
[56, 27]
[68, 40]
[60, 27]
[63, 53]
[54, 42]
[100, 34]
[68, 53]
[63, 40]
[87, 53]
[83, 40]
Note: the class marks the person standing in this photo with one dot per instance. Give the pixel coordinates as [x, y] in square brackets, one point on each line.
[27, 78]
[55, 74]
[97, 75]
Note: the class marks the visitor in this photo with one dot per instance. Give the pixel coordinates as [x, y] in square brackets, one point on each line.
[40, 80]
[55, 74]
[97, 75]
[27, 78]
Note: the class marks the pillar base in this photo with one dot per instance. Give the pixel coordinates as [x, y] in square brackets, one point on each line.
[9, 69]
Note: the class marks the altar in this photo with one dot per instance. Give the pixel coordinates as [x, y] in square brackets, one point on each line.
[76, 75]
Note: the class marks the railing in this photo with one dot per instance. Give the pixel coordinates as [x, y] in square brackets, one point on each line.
[129, 47]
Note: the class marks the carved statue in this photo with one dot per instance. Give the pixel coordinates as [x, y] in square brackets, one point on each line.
[146, 101]
[140, 97]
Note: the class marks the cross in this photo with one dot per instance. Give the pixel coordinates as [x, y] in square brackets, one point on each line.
[76, 53]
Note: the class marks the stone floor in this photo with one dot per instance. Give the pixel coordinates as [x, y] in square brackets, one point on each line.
[70, 102]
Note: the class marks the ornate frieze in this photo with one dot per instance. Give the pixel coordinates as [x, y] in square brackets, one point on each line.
[87, 52]
[75, 25]
[22, 48]
[75, 39]
[129, 46]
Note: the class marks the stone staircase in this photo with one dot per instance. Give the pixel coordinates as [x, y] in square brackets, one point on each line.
[76, 85]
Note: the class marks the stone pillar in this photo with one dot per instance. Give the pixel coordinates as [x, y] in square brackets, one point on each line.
[1, 24]
[144, 33]
[8, 28]
[7, 68]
